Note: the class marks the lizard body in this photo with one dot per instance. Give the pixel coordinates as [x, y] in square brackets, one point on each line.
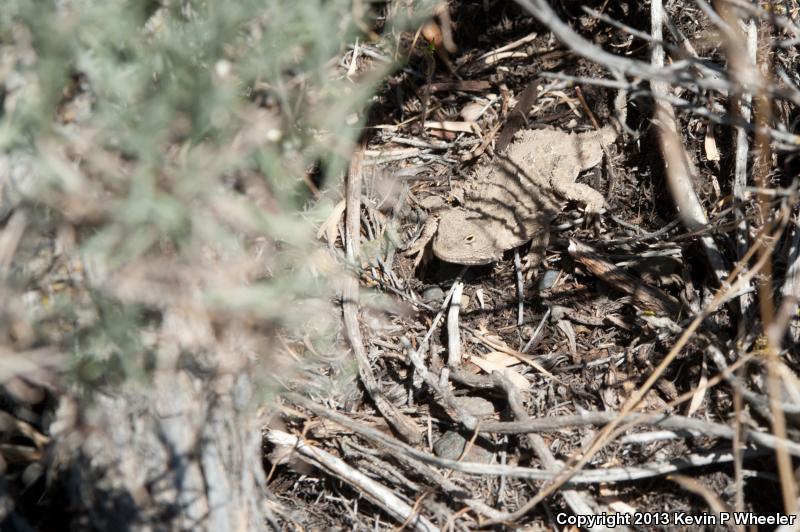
[514, 199]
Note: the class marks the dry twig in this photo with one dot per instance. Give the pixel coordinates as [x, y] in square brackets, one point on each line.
[397, 419]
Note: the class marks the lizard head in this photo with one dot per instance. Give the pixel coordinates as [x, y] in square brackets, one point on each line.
[465, 237]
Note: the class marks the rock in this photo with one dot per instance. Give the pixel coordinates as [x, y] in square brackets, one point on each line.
[472, 111]
[433, 294]
[431, 202]
[477, 406]
[452, 444]
[548, 279]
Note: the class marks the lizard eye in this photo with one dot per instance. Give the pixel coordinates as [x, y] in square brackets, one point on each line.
[469, 239]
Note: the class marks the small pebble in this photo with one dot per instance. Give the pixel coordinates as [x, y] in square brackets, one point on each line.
[451, 445]
[431, 202]
[476, 406]
[433, 294]
[32, 473]
[472, 111]
[548, 279]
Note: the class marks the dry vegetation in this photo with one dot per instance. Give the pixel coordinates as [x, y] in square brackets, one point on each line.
[213, 317]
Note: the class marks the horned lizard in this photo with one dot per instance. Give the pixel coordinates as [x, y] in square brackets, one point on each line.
[514, 199]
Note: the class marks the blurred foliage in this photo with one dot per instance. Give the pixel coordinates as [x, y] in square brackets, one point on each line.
[169, 155]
